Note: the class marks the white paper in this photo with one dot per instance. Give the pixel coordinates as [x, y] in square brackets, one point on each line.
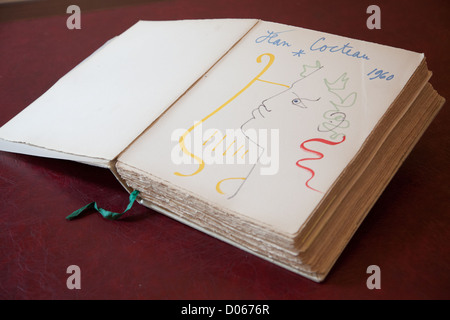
[104, 103]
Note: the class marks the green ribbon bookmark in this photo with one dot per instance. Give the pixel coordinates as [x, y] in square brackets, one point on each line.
[105, 213]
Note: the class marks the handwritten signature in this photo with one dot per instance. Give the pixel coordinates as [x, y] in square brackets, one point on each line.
[344, 49]
[272, 38]
[321, 45]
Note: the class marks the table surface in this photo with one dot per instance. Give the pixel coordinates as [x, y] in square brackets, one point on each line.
[150, 256]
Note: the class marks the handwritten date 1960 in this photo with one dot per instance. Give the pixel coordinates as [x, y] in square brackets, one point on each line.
[380, 74]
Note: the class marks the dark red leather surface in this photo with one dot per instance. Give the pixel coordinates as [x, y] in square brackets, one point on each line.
[149, 256]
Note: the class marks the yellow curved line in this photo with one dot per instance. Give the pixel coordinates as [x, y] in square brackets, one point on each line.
[220, 182]
[201, 163]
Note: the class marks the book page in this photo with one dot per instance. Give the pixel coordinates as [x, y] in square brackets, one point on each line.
[270, 128]
[104, 103]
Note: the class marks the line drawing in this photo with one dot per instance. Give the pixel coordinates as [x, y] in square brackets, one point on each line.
[261, 112]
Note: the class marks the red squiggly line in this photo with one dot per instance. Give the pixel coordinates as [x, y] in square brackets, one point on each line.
[319, 154]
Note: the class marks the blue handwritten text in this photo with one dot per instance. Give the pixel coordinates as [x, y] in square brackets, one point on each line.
[298, 53]
[380, 74]
[346, 49]
[270, 38]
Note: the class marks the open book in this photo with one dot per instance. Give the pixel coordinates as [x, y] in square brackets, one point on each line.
[273, 138]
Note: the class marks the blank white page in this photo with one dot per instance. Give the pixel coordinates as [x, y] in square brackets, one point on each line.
[104, 103]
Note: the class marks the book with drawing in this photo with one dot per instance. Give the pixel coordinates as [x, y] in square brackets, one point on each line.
[273, 138]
